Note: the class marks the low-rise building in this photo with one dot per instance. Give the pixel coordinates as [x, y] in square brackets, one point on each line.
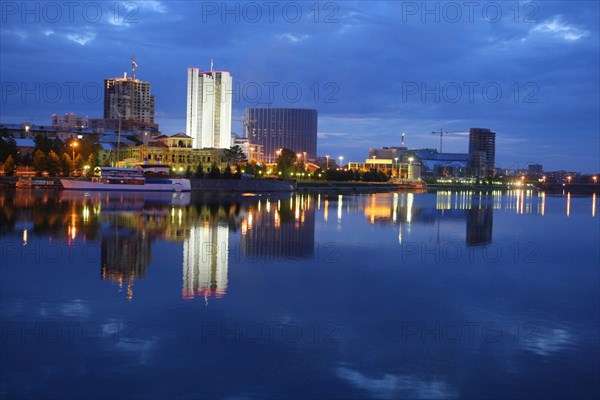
[176, 151]
[252, 151]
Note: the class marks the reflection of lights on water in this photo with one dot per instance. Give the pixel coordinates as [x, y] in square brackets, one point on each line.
[340, 205]
[268, 206]
[326, 210]
[319, 201]
[543, 209]
[86, 214]
[244, 228]
[594, 205]
[277, 221]
[250, 221]
[400, 233]
[395, 211]
[522, 201]
[409, 206]
[568, 204]
[24, 237]
[180, 216]
[297, 213]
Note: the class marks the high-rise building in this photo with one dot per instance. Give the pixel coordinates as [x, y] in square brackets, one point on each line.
[208, 116]
[277, 128]
[482, 152]
[128, 99]
[535, 169]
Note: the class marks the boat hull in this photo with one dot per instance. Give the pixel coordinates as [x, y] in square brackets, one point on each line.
[173, 185]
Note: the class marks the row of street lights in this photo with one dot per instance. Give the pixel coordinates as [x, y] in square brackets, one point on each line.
[341, 158]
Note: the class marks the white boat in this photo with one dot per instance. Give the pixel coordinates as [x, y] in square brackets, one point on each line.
[146, 177]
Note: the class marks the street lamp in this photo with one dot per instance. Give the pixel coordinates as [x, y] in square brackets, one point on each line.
[569, 179]
[341, 159]
[396, 166]
[327, 165]
[595, 179]
[73, 145]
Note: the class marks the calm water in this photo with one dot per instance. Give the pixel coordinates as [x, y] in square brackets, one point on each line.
[447, 295]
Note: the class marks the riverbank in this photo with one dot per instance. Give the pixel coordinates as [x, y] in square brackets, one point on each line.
[242, 185]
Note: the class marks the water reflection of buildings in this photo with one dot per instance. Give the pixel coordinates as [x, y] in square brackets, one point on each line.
[280, 230]
[205, 261]
[125, 256]
[400, 208]
[479, 226]
[131, 222]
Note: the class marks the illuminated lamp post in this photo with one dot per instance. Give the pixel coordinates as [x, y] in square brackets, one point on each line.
[73, 145]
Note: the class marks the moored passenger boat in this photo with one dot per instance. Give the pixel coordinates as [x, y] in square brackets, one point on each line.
[145, 177]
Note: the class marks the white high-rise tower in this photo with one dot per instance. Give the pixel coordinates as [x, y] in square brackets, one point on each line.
[209, 98]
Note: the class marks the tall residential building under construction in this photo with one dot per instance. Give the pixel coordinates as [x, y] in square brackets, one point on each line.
[482, 152]
[128, 98]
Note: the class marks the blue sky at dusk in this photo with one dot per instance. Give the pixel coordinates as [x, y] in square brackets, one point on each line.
[527, 70]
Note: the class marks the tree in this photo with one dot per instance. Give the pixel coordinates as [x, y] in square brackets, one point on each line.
[285, 161]
[58, 146]
[188, 172]
[91, 161]
[43, 144]
[66, 164]
[53, 163]
[39, 162]
[78, 161]
[235, 154]
[8, 146]
[200, 171]
[9, 166]
[214, 172]
[227, 173]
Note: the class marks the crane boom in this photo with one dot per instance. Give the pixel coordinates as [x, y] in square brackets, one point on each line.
[442, 133]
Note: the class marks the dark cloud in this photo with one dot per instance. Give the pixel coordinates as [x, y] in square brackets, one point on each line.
[358, 63]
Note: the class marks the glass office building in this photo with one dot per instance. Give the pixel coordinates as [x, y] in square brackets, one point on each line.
[277, 128]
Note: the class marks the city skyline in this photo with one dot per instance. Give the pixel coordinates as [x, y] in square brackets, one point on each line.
[542, 59]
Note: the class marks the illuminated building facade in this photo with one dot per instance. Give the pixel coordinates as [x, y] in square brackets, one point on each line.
[277, 128]
[208, 116]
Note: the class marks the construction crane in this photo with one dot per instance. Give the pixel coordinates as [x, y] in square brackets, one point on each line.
[245, 123]
[442, 133]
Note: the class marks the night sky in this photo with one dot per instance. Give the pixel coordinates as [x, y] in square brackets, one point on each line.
[527, 70]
